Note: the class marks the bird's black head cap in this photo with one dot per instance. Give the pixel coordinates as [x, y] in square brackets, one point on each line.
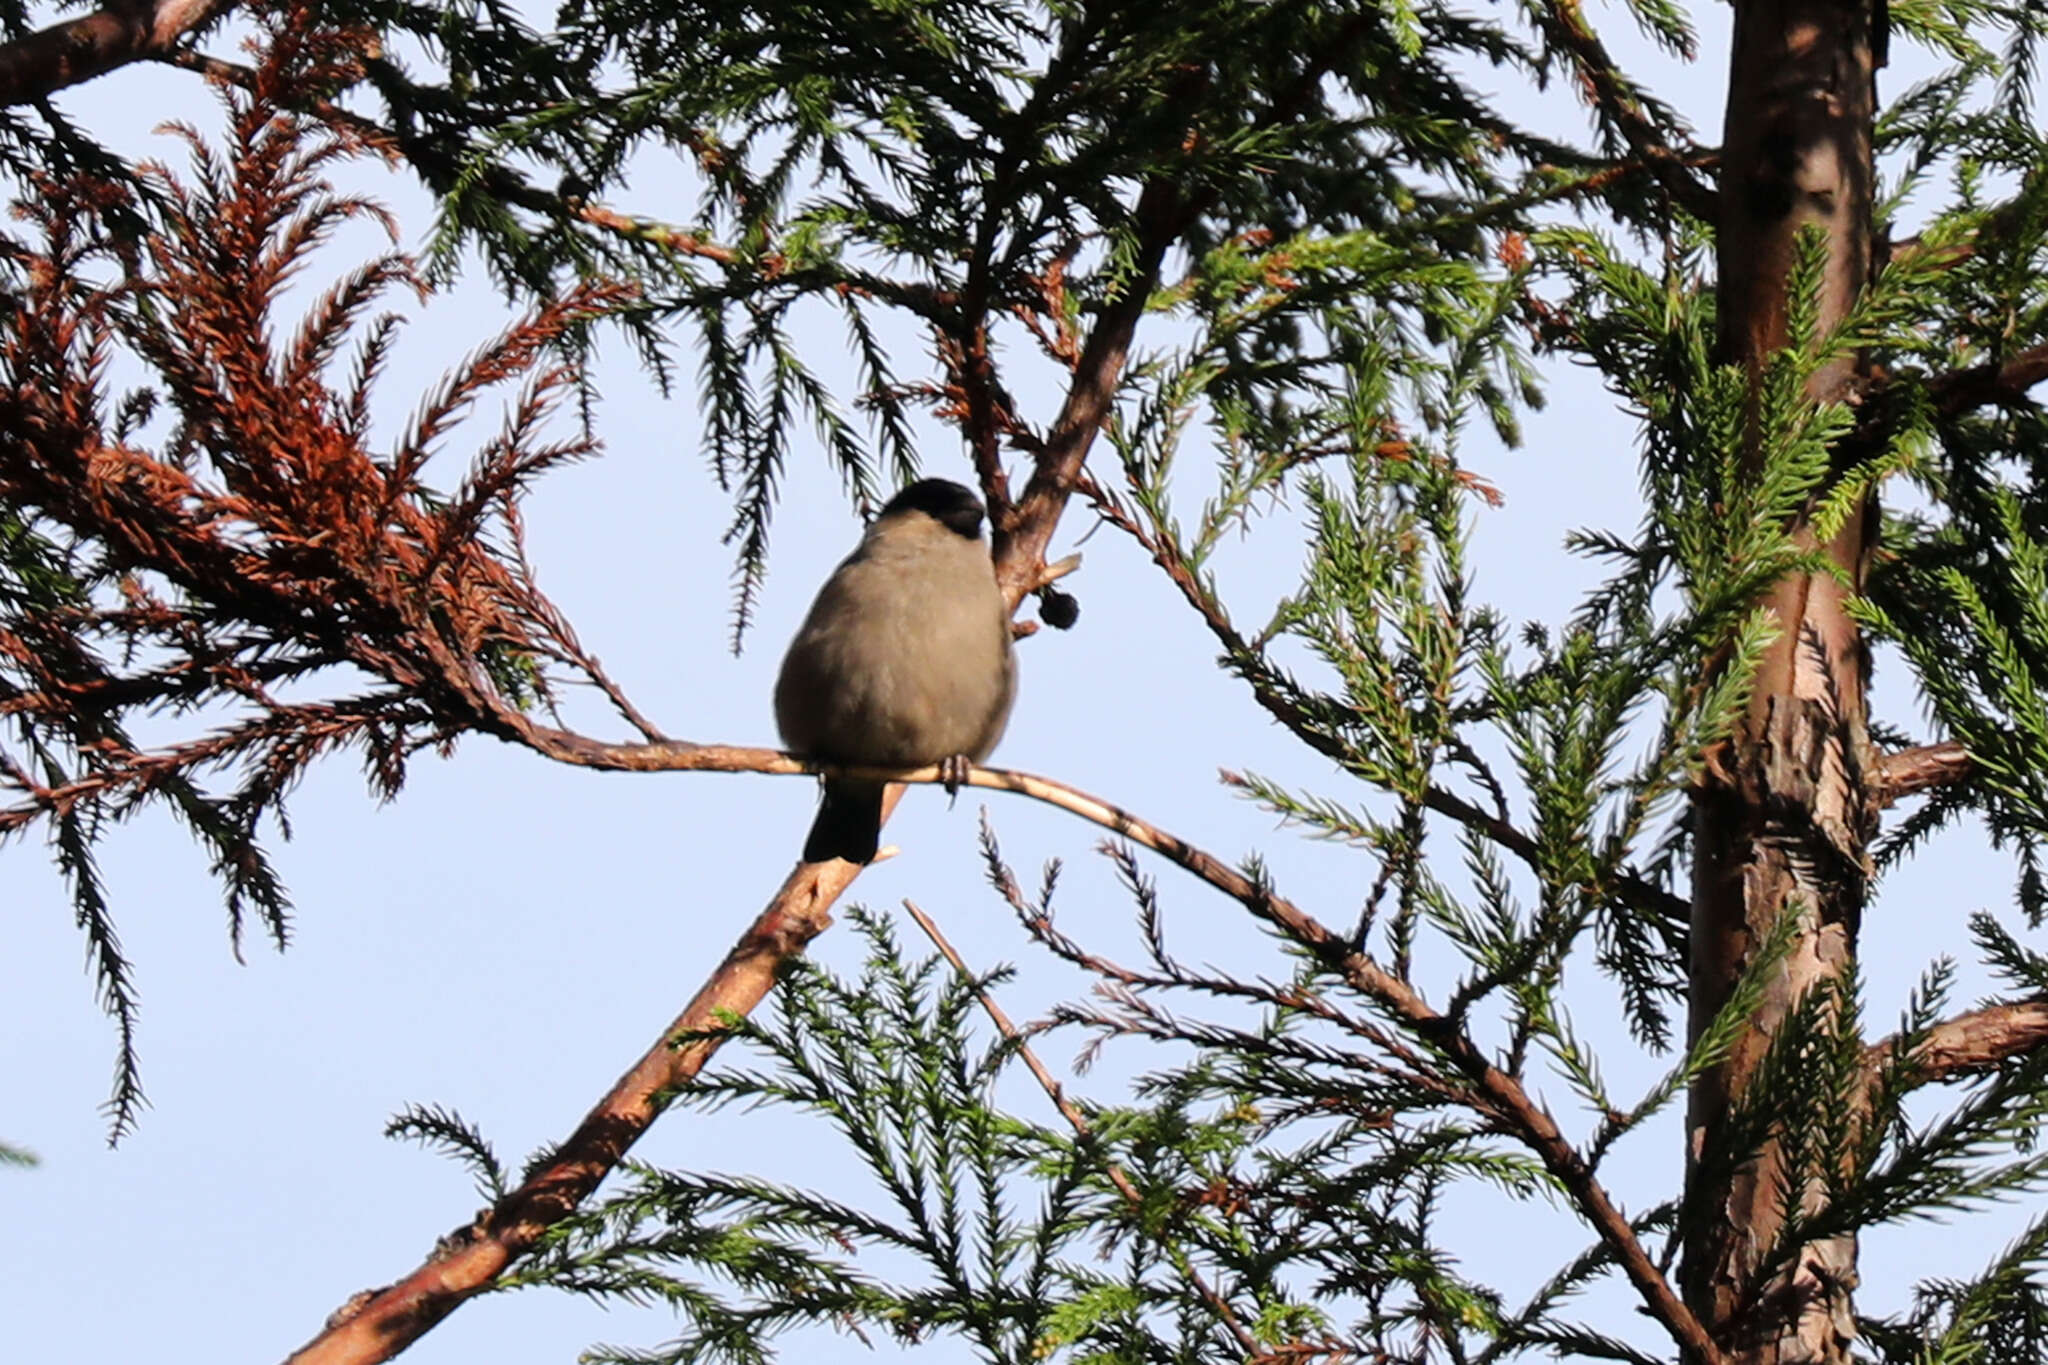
[948, 503]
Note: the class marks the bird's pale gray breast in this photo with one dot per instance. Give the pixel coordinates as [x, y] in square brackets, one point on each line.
[905, 657]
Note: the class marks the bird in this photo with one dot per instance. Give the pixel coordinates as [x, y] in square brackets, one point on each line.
[904, 660]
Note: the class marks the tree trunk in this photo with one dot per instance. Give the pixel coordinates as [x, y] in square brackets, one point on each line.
[1782, 819]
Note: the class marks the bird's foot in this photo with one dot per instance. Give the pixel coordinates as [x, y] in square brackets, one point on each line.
[953, 770]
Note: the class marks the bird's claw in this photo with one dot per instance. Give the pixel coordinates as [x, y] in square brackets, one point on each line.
[953, 770]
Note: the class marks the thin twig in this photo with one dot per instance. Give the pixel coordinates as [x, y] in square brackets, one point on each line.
[1414, 1071]
[1529, 1121]
[1630, 888]
[1075, 1119]
[1608, 91]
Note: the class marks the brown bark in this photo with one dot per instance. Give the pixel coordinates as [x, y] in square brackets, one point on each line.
[1969, 1044]
[1912, 771]
[1999, 382]
[48, 60]
[1783, 817]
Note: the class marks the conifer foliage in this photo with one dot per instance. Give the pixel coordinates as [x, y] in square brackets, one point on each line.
[223, 539]
[1276, 262]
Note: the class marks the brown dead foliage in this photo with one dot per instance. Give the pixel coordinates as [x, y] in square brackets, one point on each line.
[225, 540]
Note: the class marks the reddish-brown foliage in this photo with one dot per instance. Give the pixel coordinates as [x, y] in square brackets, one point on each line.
[228, 540]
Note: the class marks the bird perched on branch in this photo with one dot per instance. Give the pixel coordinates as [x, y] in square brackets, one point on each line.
[903, 661]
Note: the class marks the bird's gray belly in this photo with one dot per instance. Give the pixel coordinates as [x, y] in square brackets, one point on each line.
[908, 694]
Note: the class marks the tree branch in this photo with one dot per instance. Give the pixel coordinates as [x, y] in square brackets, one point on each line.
[66, 54]
[434, 164]
[391, 1318]
[1967, 1045]
[1497, 1091]
[398, 1314]
[1564, 23]
[1071, 1112]
[1912, 771]
[1020, 542]
[377, 1325]
[2004, 382]
[1631, 889]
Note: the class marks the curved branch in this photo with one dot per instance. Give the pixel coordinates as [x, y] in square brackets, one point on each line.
[77, 50]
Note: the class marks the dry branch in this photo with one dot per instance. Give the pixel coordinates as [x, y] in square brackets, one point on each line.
[231, 533]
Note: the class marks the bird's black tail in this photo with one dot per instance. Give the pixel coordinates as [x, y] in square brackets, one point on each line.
[849, 823]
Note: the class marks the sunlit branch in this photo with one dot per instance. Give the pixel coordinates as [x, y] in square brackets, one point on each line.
[1967, 1045]
[378, 1324]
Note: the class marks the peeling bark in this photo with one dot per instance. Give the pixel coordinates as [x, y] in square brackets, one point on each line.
[1784, 816]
